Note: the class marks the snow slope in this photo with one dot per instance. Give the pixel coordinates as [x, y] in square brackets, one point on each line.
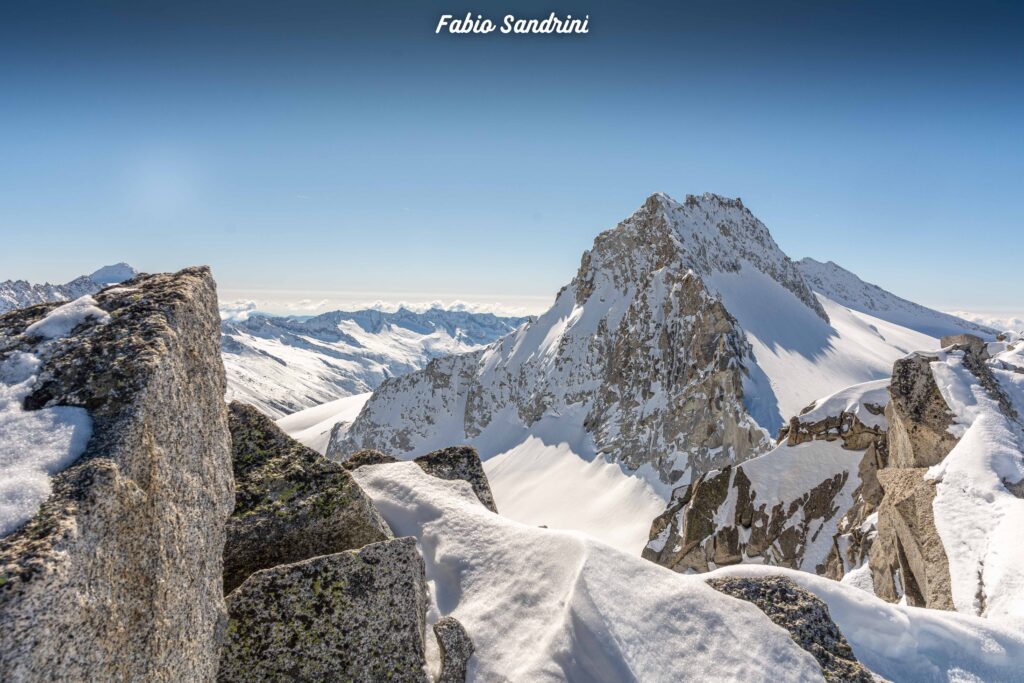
[846, 289]
[19, 293]
[282, 365]
[554, 486]
[547, 605]
[978, 517]
[312, 426]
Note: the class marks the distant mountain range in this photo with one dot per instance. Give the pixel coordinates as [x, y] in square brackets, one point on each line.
[284, 364]
[19, 293]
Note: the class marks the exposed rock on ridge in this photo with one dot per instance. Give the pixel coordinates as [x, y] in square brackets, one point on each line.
[352, 616]
[783, 507]
[119, 575]
[291, 502]
[806, 618]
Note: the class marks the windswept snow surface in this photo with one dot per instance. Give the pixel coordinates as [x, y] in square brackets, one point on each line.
[283, 365]
[852, 400]
[552, 485]
[37, 444]
[846, 289]
[548, 605]
[312, 426]
[978, 518]
[903, 643]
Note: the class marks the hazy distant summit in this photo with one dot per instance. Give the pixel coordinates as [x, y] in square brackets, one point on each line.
[20, 293]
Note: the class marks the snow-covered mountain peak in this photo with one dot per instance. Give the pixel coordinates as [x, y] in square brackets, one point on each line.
[113, 274]
[714, 235]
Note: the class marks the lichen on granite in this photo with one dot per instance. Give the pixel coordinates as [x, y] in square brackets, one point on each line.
[351, 616]
[291, 503]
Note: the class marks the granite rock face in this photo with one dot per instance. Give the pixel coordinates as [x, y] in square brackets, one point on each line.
[291, 502]
[918, 416]
[358, 615]
[118, 577]
[456, 649]
[459, 462]
[805, 617]
[907, 558]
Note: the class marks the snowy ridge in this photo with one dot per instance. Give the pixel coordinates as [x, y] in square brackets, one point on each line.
[843, 287]
[546, 605]
[19, 293]
[979, 501]
[282, 365]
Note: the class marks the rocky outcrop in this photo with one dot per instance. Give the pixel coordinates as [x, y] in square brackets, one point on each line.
[358, 615]
[918, 416]
[291, 502]
[781, 508]
[456, 648]
[912, 557]
[454, 462]
[367, 456]
[460, 462]
[118, 576]
[806, 618]
[907, 558]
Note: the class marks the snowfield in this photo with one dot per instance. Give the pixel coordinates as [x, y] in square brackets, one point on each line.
[549, 605]
[312, 426]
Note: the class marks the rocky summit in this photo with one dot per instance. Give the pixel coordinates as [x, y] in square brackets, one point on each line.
[118, 576]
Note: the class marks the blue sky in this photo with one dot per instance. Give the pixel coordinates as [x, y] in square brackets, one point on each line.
[306, 148]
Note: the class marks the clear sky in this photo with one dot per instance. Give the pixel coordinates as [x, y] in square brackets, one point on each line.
[309, 147]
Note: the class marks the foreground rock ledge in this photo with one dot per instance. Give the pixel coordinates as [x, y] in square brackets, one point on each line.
[118, 577]
[805, 617]
[291, 502]
[352, 616]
